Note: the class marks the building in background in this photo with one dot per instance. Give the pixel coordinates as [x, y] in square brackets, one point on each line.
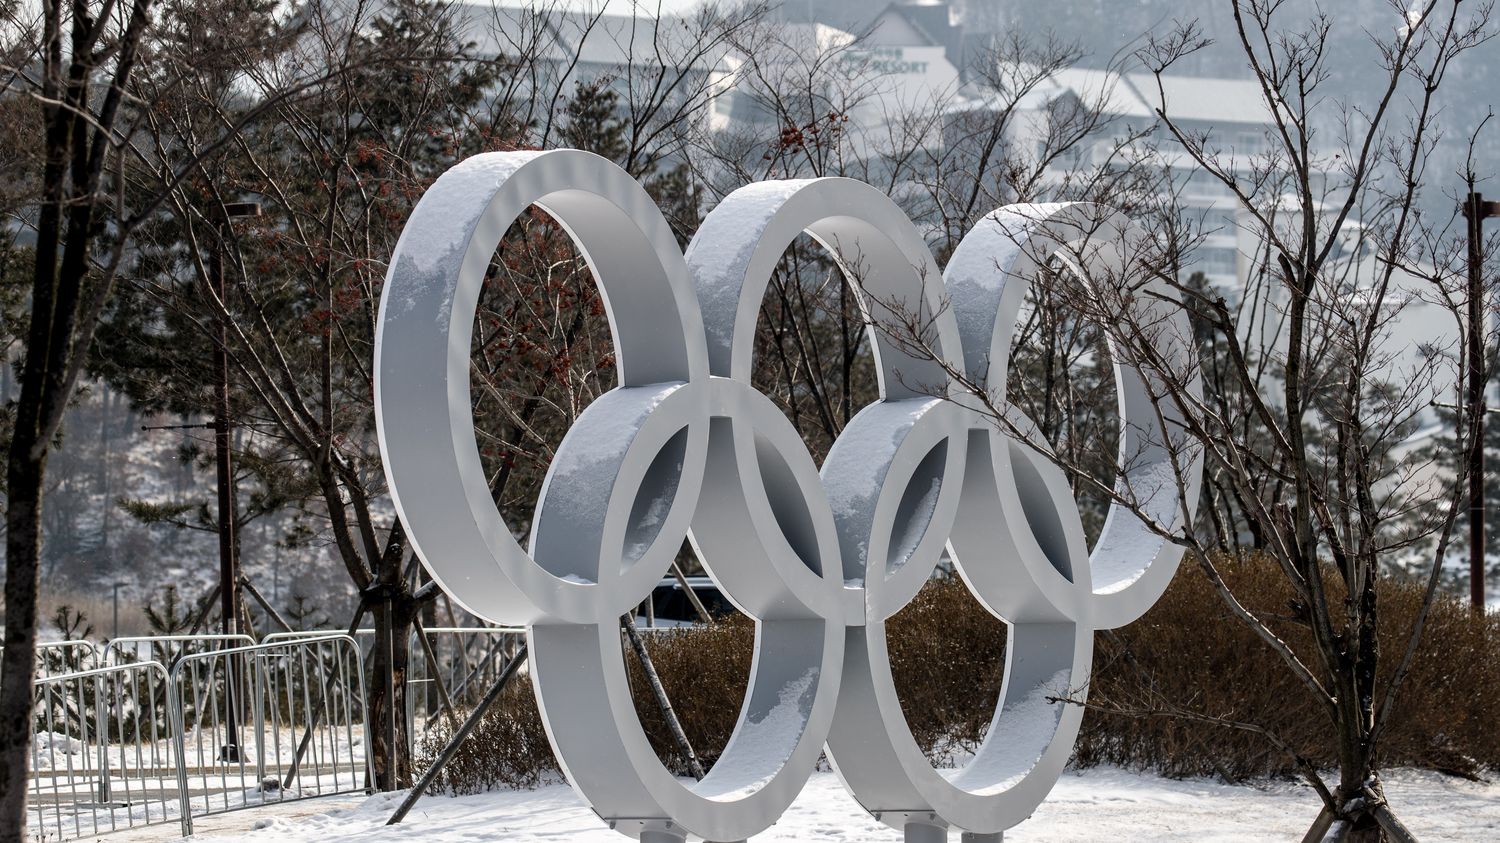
[1229, 112]
[562, 49]
[879, 65]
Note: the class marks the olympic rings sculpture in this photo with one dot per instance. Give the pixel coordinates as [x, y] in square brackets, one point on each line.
[684, 446]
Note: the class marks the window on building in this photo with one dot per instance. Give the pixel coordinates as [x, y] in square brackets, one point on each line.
[1217, 261]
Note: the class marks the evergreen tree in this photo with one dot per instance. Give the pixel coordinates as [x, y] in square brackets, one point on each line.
[337, 170]
[591, 121]
[1442, 450]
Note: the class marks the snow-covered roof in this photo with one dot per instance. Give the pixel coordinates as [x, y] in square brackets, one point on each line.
[616, 40]
[1136, 95]
[1112, 91]
[1203, 98]
[912, 24]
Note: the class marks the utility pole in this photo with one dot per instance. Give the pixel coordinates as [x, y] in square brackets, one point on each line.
[1476, 210]
[229, 563]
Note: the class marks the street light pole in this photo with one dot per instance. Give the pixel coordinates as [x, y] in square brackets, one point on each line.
[229, 563]
[1475, 212]
[115, 628]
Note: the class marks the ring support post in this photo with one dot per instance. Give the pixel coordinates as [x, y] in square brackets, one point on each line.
[925, 832]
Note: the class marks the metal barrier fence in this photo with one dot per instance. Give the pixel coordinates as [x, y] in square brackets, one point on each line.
[296, 635]
[70, 656]
[468, 661]
[146, 729]
[305, 736]
[216, 723]
[53, 657]
[216, 730]
[166, 649]
[102, 757]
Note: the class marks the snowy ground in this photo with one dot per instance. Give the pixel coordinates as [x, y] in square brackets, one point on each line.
[1094, 805]
[144, 783]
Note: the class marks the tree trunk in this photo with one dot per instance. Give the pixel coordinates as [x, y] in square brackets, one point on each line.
[43, 393]
[390, 739]
[25, 471]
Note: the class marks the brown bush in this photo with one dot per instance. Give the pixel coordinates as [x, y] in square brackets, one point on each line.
[508, 748]
[705, 671]
[947, 654]
[1188, 650]
[948, 658]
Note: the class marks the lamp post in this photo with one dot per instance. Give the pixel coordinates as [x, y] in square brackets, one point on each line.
[115, 626]
[229, 563]
[1476, 210]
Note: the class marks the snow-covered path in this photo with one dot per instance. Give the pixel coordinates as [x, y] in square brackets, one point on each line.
[1094, 805]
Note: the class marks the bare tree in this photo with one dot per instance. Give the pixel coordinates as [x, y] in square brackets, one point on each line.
[77, 62]
[809, 102]
[336, 165]
[1301, 420]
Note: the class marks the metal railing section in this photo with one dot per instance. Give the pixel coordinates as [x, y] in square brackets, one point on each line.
[145, 729]
[167, 649]
[217, 729]
[269, 723]
[70, 656]
[468, 661]
[67, 656]
[102, 758]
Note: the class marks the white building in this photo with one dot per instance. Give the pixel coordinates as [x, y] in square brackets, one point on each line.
[744, 86]
[1229, 111]
[791, 72]
[664, 65]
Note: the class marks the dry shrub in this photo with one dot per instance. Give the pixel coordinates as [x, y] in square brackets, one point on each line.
[948, 658]
[705, 671]
[947, 654]
[1190, 653]
[508, 748]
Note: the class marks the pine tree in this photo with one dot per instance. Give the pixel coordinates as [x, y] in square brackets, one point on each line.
[591, 121]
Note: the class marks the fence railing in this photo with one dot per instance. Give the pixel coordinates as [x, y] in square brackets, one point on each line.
[141, 730]
[102, 758]
[468, 660]
[269, 723]
[148, 729]
[217, 729]
[166, 649]
[71, 656]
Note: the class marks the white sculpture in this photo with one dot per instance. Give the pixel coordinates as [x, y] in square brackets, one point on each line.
[685, 446]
